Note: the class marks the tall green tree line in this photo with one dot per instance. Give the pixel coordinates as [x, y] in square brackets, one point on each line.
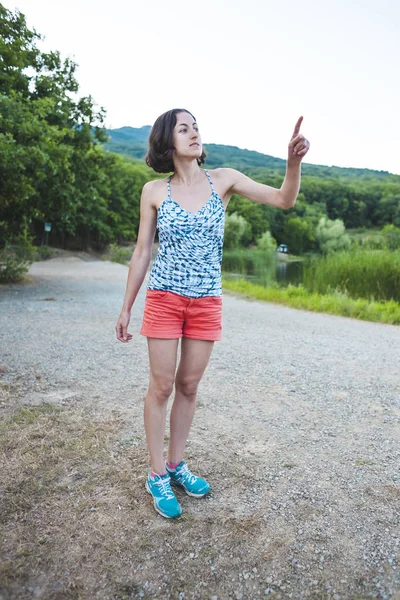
[53, 167]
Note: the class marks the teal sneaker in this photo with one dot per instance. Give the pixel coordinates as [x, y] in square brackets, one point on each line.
[182, 477]
[165, 501]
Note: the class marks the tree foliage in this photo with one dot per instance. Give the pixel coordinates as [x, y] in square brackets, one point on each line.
[300, 232]
[332, 236]
[236, 229]
[54, 166]
[266, 242]
[391, 236]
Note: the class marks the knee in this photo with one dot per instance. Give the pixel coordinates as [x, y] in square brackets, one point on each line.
[187, 387]
[161, 389]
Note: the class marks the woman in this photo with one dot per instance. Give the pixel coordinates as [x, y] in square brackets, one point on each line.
[184, 294]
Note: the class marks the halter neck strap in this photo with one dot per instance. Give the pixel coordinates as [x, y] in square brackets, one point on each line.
[210, 180]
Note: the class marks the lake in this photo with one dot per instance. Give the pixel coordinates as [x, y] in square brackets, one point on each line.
[260, 268]
[371, 274]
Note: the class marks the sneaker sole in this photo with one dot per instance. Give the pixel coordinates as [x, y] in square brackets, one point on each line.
[156, 507]
[176, 484]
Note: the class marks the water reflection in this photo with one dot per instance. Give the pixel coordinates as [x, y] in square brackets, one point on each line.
[260, 268]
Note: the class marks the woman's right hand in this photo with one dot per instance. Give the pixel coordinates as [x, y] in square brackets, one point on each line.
[121, 327]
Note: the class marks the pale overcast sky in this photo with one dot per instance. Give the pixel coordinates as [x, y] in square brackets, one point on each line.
[246, 69]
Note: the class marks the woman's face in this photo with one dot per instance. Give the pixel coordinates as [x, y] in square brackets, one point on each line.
[186, 136]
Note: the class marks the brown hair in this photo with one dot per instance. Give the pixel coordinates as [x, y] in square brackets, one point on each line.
[161, 148]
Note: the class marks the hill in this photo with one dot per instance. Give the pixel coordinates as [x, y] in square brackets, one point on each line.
[132, 141]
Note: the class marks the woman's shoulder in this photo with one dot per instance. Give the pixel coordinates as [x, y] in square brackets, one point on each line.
[223, 175]
[156, 186]
[155, 191]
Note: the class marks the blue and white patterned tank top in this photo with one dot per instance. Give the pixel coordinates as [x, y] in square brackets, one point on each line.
[189, 256]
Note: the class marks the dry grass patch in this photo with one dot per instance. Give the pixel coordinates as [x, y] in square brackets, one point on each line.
[77, 522]
[63, 481]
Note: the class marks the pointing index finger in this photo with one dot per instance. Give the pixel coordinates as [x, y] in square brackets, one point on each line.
[297, 127]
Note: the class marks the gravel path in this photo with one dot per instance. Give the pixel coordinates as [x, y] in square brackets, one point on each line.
[297, 428]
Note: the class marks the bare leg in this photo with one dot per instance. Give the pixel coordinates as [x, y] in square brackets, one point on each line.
[195, 355]
[162, 357]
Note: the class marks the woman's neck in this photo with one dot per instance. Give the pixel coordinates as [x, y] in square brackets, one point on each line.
[186, 172]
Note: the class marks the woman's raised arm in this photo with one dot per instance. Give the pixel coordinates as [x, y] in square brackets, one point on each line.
[285, 197]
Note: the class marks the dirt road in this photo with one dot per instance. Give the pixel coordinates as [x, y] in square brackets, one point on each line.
[297, 430]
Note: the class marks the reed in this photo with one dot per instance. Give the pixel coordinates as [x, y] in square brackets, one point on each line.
[371, 274]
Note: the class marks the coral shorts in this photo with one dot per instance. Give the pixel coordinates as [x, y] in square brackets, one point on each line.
[170, 316]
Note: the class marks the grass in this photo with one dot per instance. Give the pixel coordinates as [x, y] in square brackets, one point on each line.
[360, 273]
[65, 484]
[336, 303]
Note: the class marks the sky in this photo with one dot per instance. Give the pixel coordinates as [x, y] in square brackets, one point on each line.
[247, 69]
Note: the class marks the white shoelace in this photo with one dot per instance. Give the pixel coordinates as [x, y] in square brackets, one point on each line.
[186, 474]
[165, 488]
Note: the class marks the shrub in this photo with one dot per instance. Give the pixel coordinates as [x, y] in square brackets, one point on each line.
[118, 254]
[237, 231]
[15, 259]
[331, 235]
[266, 242]
[44, 252]
[11, 269]
[391, 235]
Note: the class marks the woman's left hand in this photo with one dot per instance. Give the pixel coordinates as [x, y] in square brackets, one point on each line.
[298, 145]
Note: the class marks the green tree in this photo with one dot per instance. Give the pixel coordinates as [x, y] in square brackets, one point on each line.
[388, 210]
[298, 235]
[48, 137]
[266, 242]
[236, 228]
[331, 235]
